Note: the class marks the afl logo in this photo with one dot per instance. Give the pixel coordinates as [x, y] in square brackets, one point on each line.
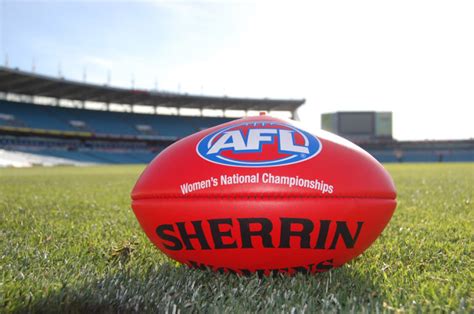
[258, 144]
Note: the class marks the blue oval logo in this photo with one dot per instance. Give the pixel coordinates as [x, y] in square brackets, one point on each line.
[259, 144]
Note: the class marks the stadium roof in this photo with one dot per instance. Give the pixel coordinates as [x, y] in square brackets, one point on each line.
[25, 83]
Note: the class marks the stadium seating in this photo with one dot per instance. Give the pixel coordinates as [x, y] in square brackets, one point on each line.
[95, 156]
[96, 152]
[139, 137]
[459, 155]
[384, 156]
[33, 116]
[103, 122]
[413, 155]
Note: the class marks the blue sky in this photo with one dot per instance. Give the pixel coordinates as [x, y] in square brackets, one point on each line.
[414, 58]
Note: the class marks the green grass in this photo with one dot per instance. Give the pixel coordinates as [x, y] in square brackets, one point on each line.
[70, 242]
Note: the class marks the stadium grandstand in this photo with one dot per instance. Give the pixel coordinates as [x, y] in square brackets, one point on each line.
[373, 132]
[54, 121]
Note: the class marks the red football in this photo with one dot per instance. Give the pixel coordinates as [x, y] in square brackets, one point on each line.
[263, 195]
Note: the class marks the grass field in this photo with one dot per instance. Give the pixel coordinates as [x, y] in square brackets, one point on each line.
[70, 242]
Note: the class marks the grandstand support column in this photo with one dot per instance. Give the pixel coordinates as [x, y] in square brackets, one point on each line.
[295, 116]
[28, 98]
